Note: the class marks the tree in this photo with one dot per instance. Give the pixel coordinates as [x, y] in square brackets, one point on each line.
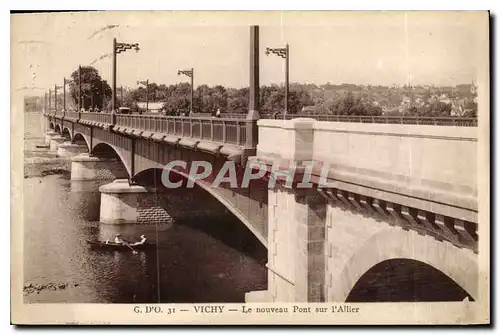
[237, 100]
[93, 88]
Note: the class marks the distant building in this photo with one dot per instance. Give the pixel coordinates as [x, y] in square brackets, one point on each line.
[153, 107]
[444, 98]
[309, 109]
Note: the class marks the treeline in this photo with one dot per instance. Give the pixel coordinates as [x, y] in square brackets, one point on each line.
[343, 99]
[303, 98]
[176, 99]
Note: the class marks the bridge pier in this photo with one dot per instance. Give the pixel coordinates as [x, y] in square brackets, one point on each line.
[330, 249]
[124, 203]
[86, 167]
[48, 136]
[68, 149]
[56, 141]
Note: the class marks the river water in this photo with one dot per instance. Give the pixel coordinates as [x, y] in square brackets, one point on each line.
[205, 262]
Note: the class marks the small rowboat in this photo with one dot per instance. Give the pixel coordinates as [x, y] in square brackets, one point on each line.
[117, 246]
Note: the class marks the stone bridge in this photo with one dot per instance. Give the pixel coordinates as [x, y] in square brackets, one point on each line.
[137, 148]
[355, 211]
[390, 193]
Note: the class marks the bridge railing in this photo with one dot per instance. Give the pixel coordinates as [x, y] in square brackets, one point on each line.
[239, 116]
[420, 120]
[232, 131]
[72, 115]
[97, 117]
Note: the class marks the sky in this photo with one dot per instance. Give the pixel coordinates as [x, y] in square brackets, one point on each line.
[371, 48]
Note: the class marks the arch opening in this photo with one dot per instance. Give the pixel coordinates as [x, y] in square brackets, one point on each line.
[103, 150]
[176, 175]
[116, 163]
[57, 129]
[51, 125]
[405, 280]
[224, 225]
[80, 140]
[152, 178]
[66, 134]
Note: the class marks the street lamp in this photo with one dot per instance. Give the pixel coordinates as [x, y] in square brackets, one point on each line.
[65, 82]
[145, 83]
[103, 93]
[189, 73]
[284, 53]
[55, 95]
[118, 48]
[79, 88]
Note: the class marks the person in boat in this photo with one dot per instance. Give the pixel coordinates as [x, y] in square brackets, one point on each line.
[141, 242]
[118, 239]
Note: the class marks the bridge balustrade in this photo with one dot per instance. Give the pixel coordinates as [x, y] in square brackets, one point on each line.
[97, 117]
[419, 120]
[223, 130]
[231, 131]
[186, 128]
[206, 130]
[196, 129]
[72, 115]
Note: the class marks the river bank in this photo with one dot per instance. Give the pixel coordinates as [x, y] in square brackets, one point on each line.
[202, 262]
[41, 167]
[40, 161]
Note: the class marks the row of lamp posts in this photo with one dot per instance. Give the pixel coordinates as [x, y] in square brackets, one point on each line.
[122, 47]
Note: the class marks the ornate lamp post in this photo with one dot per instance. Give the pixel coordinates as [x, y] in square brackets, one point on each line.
[146, 84]
[189, 73]
[103, 93]
[79, 88]
[64, 93]
[284, 53]
[91, 96]
[50, 93]
[119, 48]
[55, 95]
[66, 81]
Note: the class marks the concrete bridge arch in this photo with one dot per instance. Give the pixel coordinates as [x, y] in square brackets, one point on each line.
[57, 129]
[459, 265]
[80, 138]
[155, 174]
[66, 132]
[107, 151]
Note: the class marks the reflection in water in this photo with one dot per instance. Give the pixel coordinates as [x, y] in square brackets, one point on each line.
[191, 263]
